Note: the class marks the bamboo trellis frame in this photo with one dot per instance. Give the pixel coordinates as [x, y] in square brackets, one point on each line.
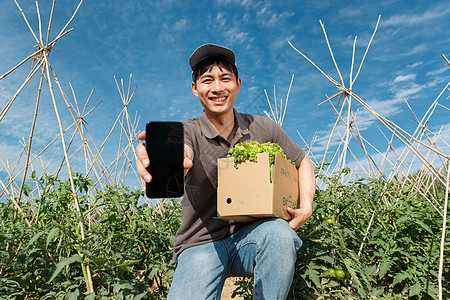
[411, 142]
[113, 174]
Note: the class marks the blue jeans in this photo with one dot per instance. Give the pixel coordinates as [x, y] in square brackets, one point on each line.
[265, 249]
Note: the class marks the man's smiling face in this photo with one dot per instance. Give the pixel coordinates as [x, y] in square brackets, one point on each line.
[217, 89]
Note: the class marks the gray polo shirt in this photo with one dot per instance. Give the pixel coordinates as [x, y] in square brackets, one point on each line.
[199, 222]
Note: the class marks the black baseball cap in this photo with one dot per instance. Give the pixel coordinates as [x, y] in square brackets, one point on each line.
[208, 50]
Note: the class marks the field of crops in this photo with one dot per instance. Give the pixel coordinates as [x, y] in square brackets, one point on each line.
[353, 246]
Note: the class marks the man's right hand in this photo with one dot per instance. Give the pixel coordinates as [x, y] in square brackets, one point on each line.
[143, 161]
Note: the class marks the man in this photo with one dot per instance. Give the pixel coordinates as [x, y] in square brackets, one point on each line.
[207, 249]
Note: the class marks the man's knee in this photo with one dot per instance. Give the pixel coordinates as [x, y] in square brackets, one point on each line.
[203, 258]
[281, 238]
[199, 273]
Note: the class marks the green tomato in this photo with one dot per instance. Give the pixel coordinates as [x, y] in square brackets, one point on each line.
[340, 274]
[332, 271]
[323, 216]
[330, 221]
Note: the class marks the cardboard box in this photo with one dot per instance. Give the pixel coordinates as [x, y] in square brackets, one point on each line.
[246, 193]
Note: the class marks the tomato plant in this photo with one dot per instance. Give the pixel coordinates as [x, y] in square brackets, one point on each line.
[396, 258]
[128, 247]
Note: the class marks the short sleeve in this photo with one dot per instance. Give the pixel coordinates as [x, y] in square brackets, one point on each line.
[188, 134]
[293, 151]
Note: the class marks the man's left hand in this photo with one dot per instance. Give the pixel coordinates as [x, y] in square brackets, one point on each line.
[299, 216]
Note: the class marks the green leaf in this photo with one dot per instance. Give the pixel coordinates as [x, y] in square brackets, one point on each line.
[325, 257]
[153, 272]
[424, 226]
[122, 286]
[313, 275]
[73, 295]
[400, 277]
[34, 238]
[384, 267]
[140, 296]
[402, 220]
[348, 264]
[91, 296]
[376, 292]
[432, 289]
[63, 263]
[415, 290]
[54, 232]
[371, 270]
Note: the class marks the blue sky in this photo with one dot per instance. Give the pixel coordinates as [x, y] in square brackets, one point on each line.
[154, 39]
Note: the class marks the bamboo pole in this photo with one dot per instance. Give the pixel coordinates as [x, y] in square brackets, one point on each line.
[330, 137]
[446, 59]
[444, 226]
[30, 139]
[361, 143]
[34, 54]
[50, 23]
[270, 106]
[89, 283]
[287, 100]
[331, 52]
[70, 20]
[402, 135]
[26, 21]
[367, 49]
[16, 204]
[348, 98]
[278, 115]
[39, 23]
[16, 94]
[74, 119]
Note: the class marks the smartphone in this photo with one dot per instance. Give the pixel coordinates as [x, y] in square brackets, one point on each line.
[165, 148]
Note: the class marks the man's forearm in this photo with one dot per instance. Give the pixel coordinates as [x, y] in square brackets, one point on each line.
[306, 182]
[307, 187]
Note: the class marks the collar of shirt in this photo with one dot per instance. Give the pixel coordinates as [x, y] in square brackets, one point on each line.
[211, 133]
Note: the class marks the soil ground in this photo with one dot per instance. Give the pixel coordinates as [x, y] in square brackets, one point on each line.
[228, 289]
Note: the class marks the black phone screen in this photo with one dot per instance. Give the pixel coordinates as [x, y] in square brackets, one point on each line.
[165, 148]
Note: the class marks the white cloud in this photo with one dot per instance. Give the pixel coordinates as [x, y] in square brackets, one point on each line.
[418, 19]
[438, 71]
[282, 42]
[236, 36]
[275, 18]
[263, 10]
[421, 48]
[412, 90]
[220, 19]
[416, 64]
[402, 78]
[349, 13]
[180, 24]
[244, 3]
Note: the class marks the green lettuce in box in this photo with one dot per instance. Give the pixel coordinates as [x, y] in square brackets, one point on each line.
[247, 151]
